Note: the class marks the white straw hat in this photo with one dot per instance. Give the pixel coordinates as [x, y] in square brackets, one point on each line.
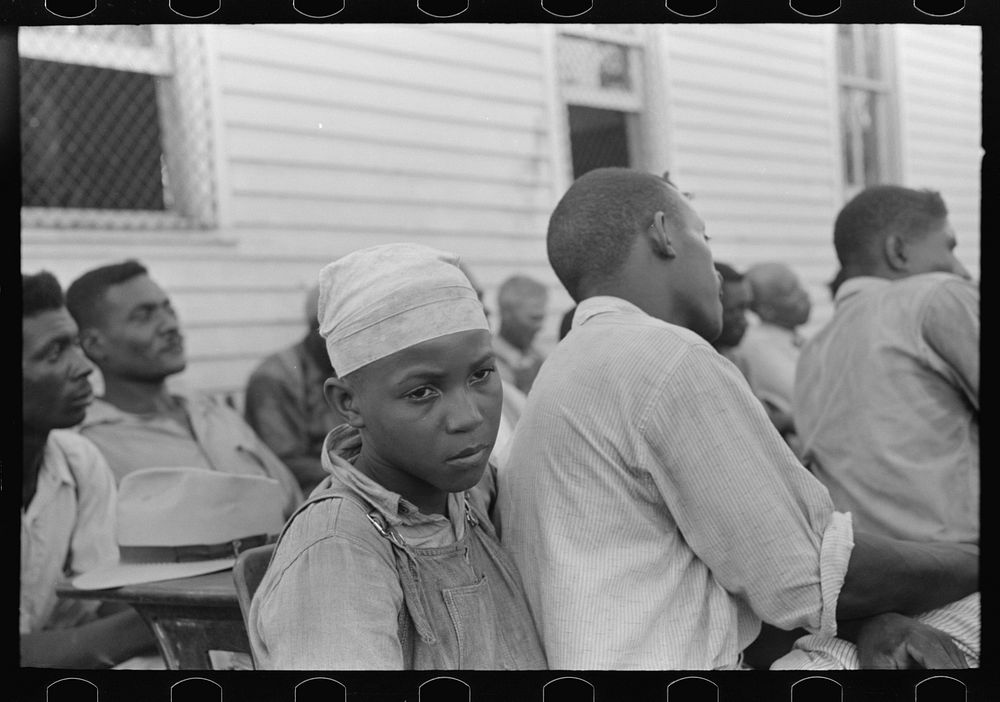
[181, 522]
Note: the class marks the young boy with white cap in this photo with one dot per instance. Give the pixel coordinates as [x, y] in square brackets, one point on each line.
[390, 565]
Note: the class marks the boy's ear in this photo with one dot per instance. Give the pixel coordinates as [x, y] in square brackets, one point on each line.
[344, 399]
[895, 252]
[659, 237]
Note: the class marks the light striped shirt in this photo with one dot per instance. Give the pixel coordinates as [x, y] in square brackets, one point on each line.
[960, 620]
[655, 514]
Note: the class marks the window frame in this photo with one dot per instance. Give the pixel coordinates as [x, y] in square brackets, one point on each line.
[186, 96]
[885, 92]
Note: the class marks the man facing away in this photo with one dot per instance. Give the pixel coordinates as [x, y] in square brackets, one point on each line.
[655, 514]
[285, 403]
[887, 393]
[67, 499]
[129, 329]
[522, 302]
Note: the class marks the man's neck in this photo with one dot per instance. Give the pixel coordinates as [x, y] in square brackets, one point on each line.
[138, 397]
[33, 449]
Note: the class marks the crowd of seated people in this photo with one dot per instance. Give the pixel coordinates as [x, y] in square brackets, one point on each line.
[456, 499]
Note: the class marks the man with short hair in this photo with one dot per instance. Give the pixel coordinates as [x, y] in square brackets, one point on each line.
[736, 299]
[522, 302]
[887, 393]
[655, 514]
[285, 403]
[129, 329]
[67, 499]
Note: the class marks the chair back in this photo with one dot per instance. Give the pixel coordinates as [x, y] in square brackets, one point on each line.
[247, 574]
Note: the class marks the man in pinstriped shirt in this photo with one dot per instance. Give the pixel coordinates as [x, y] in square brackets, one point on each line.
[656, 515]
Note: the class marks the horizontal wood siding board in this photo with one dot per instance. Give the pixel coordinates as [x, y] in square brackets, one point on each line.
[269, 114]
[287, 83]
[416, 43]
[315, 149]
[326, 184]
[379, 62]
[798, 43]
[278, 212]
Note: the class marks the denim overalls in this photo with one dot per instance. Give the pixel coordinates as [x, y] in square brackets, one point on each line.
[464, 605]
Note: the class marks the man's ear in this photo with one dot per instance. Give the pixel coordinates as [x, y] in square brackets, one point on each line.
[344, 399]
[660, 237]
[94, 344]
[895, 252]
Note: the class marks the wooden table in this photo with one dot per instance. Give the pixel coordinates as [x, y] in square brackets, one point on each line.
[189, 616]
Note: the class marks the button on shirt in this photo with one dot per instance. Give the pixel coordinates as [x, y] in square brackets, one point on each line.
[887, 406]
[222, 441]
[654, 513]
[67, 529]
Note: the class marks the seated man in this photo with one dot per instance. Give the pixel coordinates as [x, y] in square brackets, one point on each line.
[736, 297]
[522, 303]
[655, 514]
[67, 499]
[285, 403]
[130, 331]
[771, 347]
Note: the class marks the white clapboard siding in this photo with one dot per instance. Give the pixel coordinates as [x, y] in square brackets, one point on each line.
[940, 83]
[754, 139]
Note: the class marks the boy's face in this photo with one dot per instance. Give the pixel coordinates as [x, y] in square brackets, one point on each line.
[735, 304]
[430, 415]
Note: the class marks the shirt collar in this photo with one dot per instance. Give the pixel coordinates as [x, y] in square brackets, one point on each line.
[103, 412]
[853, 286]
[54, 462]
[340, 449]
[602, 304]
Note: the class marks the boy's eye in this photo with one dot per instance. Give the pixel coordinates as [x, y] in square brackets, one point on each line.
[422, 393]
[482, 374]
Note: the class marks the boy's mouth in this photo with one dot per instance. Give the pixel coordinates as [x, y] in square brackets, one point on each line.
[469, 452]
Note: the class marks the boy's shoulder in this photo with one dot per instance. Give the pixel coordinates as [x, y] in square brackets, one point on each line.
[336, 513]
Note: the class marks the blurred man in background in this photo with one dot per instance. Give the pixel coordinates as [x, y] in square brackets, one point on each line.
[522, 301]
[285, 403]
[67, 499]
[771, 348]
[736, 298]
[129, 329]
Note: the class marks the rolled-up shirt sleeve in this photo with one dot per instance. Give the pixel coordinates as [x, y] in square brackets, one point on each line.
[328, 602]
[764, 526]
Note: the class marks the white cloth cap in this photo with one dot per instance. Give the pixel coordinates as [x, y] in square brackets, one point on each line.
[383, 299]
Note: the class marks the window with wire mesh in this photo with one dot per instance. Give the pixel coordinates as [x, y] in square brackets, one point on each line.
[865, 106]
[114, 128]
[600, 83]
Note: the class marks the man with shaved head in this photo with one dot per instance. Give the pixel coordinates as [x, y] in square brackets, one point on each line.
[522, 302]
[656, 516]
[770, 348]
[285, 403]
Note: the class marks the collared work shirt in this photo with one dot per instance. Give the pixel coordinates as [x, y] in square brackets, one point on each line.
[67, 529]
[887, 406]
[285, 405]
[222, 441]
[655, 514]
[771, 353]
